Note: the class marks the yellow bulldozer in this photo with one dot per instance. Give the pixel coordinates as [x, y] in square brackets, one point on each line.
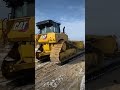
[54, 44]
[98, 48]
[19, 34]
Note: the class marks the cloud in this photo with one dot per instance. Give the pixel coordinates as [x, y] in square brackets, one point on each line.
[74, 7]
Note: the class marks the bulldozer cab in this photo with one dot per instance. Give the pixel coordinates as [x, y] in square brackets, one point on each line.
[50, 32]
[48, 26]
[20, 8]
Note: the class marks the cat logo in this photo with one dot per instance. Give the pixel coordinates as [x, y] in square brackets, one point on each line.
[21, 26]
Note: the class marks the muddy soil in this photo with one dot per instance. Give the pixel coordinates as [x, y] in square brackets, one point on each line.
[49, 76]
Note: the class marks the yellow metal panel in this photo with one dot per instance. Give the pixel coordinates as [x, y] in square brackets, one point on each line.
[29, 60]
[50, 38]
[61, 36]
[107, 45]
[15, 34]
[23, 66]
[46, 47]
[26, 51]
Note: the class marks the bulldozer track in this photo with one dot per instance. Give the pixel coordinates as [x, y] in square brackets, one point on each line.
[95, 75]
[54, 54]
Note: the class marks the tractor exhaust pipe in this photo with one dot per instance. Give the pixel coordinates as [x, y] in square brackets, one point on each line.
[64, 30]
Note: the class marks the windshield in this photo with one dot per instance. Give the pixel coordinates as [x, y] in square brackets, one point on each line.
[47, 30]
[26, 10]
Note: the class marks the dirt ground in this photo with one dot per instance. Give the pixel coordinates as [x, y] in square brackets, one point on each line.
[109, 81]
[49, 76]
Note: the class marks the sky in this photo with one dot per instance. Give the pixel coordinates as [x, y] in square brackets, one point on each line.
[70, 13]
[102, 17]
